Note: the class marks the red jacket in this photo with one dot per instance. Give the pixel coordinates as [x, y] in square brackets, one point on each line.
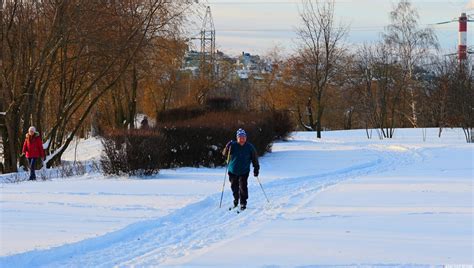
[33, 146]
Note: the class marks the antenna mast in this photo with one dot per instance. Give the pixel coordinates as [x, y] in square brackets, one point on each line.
[208, 46]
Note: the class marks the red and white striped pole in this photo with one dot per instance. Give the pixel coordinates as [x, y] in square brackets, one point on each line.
[462, 49]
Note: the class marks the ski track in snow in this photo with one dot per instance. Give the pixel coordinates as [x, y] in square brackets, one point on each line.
[203, 224]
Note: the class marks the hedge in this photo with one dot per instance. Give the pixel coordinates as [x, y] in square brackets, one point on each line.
[194, 142]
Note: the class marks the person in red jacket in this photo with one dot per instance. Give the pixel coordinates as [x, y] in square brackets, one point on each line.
[33, 149]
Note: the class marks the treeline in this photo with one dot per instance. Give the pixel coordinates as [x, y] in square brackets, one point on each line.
[401, 81]
[74, 68]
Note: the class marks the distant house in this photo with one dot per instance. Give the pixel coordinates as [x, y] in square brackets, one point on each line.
[243, 74]
[245, 66]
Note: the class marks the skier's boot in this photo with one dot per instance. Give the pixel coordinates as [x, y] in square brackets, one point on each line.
[243, 206]
[236, 203]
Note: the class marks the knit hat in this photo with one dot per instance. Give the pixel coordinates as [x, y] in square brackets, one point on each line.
[241, 133]
[32, 128]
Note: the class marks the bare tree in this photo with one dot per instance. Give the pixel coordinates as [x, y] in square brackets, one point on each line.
[448, 95]
[214, 81]
[27, 54]
[461, 98]
[436, 90]
[270, 88]
[61, 57]
[164, 76]
[317, 57]
[362, 80]
[376, 79]
[412, 44]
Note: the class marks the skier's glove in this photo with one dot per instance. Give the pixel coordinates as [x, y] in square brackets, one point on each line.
[227, 146]
[255, 173]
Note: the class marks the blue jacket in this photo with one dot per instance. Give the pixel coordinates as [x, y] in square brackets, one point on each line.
[240, 158]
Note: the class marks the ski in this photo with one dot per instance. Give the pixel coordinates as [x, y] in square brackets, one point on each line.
[236, 209]
[240, 210]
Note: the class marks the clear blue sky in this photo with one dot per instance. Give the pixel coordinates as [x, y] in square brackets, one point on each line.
[257, 26]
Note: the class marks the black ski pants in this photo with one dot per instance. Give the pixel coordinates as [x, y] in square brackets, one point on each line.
[238, 183]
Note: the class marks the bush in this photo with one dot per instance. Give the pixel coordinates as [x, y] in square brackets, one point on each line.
[219, 104]
[132, 152]
[180, 114]
[282, 125]
[185, 113]
[67, 169]
[199, 141]
[194, 142]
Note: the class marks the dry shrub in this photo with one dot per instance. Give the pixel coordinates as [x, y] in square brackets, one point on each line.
[195, 142]
[199, 141]
[132, 152]
[178, 114]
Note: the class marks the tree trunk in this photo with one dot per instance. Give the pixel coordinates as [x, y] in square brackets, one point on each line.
[319, 115]
[309, 114]
[133, 101]
[10, 147]
[318, 129]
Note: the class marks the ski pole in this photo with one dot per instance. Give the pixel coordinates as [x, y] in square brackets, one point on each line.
[225, 176]
[262, 189]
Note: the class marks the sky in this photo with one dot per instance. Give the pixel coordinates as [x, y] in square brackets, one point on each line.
[261, 25]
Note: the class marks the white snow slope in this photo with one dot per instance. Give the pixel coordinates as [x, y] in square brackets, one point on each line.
[343, 200]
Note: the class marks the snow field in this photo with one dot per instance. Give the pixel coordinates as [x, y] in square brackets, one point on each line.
[342, 200]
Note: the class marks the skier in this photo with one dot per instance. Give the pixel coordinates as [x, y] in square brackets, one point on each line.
[241, 154]
[33, 149]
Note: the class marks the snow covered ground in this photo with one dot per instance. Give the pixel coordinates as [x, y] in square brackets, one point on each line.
[342, 200]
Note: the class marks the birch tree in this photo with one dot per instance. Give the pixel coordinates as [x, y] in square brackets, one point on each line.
[319, 52]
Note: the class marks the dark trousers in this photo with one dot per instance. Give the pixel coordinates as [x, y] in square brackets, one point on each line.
[238, 183]
[32, 163]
